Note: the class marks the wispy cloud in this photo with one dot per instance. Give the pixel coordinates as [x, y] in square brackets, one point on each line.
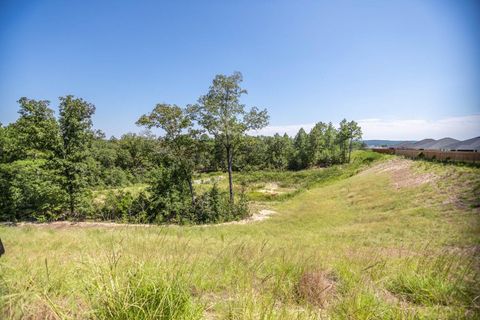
[411, 129]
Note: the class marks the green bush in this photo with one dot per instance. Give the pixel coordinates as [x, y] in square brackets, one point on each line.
[170, 199]
[30, 191]
[123, 206]
[116, 177]
[214, 207]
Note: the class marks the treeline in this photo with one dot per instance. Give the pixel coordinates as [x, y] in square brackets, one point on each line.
[50, 166]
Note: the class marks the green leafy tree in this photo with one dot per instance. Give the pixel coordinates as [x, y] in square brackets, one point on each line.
[301, 156]
[224, 117]
[355, 134]
[76, 136]
[347, 134]
[4, 143]
[317, 144]
[331, 146]
[30, 185]
[35, 134]
[279, 151]
[251, 154]
[170, 195]
[179, 138]
[139, 154]
[30, 190]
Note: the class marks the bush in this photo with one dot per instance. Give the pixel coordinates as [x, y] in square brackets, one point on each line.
[170, 196]
[116, 177]
[30, 191]
[124, 206]
[214, 207]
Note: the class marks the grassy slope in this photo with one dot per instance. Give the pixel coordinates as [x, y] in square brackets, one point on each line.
[383, 253]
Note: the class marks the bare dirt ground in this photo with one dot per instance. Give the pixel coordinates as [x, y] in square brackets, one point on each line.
[270, 188]
[208, 180]
[402, 174]
[260, 216]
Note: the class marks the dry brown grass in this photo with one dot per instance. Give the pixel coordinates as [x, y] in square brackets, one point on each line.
[402, 174]
[316, 287]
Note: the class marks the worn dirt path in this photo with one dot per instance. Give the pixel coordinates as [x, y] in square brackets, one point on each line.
[260, 216]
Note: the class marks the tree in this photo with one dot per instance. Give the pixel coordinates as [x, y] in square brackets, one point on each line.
[355, 134]
[29, 183]
[35, 133]
[317, 144]
[331, 146]
[3, 143]
[138, 154]
[251, 154]
[76, 136]
[279, 149]
[300, 144]
[224, 117]
[179, 137]
[348, 133]
[30, 189]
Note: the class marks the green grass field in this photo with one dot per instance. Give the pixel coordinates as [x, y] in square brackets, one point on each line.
[386, 239]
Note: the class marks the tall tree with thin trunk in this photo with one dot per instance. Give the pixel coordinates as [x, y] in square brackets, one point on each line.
[76, 135]
[224, 117]
[347, 134]
[355, 134]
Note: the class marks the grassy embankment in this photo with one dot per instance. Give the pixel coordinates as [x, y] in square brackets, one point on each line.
[397, 240]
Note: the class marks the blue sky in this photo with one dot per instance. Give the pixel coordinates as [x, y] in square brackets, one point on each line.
[404, 69]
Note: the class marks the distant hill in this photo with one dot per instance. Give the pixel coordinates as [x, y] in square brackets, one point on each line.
[388, 143]
[467, 145]
[423, 144]
[445, 144]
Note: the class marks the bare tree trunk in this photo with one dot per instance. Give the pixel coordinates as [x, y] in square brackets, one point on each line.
[71, 200]
[349, 150]
[2, 248]
[229, 168]
[192, 194]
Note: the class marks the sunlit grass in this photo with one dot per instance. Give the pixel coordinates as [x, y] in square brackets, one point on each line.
[388, 253]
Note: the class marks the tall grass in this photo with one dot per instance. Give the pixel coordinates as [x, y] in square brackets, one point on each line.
[140, 295]
[445, 279]
[356, 235]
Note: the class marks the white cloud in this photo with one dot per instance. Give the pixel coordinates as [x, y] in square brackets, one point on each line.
[461, 128]
[291, 130]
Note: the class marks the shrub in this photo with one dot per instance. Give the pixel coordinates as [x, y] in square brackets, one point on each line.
[170, 196]
[116, 206]
[116, 177]
[214, 206]
[30, 191]
[124, 206]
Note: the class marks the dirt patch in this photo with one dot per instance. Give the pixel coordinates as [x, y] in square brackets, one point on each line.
[80, 224]
[208, 180]
[402, 174]
[316, 288]
[270, 188]
[260, 216]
